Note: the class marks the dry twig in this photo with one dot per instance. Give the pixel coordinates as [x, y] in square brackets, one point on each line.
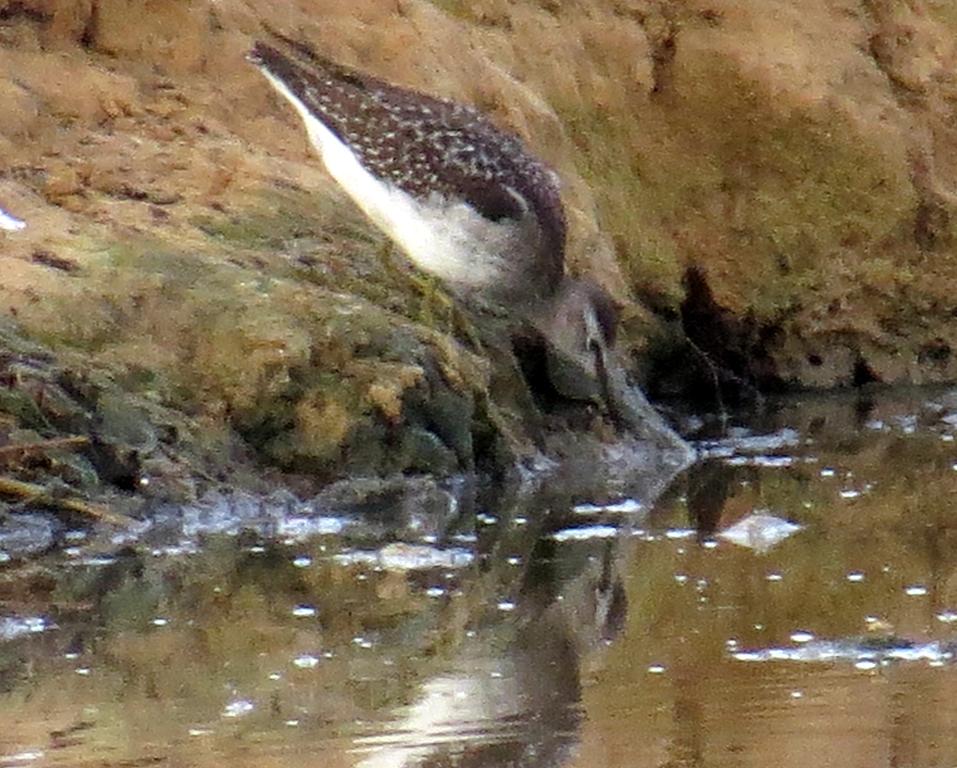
[31, 492]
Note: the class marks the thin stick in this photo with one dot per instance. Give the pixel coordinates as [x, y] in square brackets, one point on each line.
[37, 493]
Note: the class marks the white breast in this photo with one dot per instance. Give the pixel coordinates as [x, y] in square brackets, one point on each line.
[440, 236]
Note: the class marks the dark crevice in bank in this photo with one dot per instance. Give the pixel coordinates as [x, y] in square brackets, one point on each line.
[20, 10]
[717, 359]
[723, 359]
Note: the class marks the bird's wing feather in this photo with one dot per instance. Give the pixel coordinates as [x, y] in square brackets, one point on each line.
[425, 145]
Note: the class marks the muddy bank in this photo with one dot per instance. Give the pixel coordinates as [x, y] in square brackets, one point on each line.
[193, 299]
[92, 463]
[768, 193]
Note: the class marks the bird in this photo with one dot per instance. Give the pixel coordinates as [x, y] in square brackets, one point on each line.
[466, 202]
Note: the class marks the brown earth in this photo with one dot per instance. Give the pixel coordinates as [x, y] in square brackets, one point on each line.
[775, 184]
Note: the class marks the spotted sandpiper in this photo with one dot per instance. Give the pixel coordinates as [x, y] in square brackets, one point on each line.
[467, 203]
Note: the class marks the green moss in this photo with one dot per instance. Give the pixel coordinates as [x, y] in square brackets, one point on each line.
[307, 426]
[423, 451]
[279, 218]
[23, 408]
[610, 163]
[460, 9]
[765, 195]
[311, 374]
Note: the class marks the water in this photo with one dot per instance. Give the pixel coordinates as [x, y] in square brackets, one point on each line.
[791, 600]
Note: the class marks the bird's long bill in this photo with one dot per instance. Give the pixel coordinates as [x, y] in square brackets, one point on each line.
[627, 405]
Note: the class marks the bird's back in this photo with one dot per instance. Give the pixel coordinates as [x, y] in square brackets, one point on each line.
[428, 147]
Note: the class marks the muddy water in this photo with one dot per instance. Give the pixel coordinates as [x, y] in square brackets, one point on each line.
[790, 600]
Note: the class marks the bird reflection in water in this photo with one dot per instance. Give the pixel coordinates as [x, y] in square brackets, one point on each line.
[521, 707]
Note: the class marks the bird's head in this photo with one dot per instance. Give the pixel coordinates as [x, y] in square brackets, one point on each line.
[580, 327]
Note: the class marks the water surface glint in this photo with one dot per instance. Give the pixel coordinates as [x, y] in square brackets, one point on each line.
[791, 599]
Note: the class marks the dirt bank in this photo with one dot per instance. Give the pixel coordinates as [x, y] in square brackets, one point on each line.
[770, 190]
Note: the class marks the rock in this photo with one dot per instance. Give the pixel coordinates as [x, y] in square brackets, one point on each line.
[26, 534]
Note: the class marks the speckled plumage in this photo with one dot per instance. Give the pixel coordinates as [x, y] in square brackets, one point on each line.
[430, 147]
[466, 202]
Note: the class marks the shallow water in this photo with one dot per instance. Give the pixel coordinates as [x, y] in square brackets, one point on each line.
[792, 599]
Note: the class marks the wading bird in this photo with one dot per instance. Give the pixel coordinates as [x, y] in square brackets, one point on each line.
[467, 203]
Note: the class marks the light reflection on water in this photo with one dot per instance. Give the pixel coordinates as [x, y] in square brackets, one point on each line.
[791, 600]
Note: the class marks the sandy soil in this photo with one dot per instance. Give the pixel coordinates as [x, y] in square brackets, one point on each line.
[770, 191]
